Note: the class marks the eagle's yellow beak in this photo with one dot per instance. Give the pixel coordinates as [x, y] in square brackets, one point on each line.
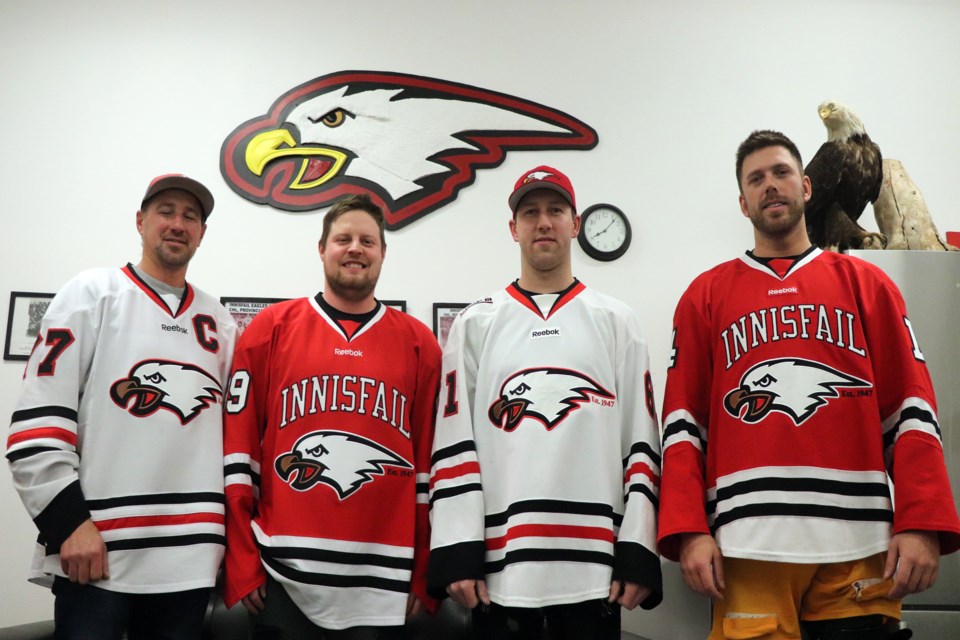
[279, 143]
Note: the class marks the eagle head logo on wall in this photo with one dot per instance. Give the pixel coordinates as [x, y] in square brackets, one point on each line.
[410, 142]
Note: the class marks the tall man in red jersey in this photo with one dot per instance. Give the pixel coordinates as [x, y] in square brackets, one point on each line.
[329, 425]
[795, 387]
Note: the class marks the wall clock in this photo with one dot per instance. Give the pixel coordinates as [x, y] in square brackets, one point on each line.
[604, 232]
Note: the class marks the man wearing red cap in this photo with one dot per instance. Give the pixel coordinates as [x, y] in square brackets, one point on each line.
[116, 441]
[546, 458]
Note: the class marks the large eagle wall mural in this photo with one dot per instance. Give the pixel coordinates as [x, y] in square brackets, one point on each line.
[410, 142]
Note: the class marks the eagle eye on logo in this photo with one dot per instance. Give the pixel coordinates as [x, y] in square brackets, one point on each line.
[791, 386]
[341, 460]
[182, 389]
[410, 142]
[546, 395]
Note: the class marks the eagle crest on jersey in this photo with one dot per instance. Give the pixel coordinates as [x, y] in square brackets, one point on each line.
[182, 389]
[544, 394]
[793, 386]
[343, 461]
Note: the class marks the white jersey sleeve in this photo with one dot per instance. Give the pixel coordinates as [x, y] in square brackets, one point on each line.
[42, 446]
[456, 492]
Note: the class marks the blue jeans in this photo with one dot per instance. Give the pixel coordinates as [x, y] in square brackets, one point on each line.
[87, 612]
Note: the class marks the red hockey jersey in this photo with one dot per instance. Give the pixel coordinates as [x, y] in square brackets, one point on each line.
[327, 451]
[788, 401]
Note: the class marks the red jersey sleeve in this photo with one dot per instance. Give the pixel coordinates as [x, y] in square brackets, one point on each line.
[244, 422]
[686, 413]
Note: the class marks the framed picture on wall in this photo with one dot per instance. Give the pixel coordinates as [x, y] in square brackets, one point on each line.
[244, 310]
[399, 305]
[23, 322]
[444, 314]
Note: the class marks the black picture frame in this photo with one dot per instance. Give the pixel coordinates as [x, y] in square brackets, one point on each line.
[23, 322]
[399, 305]
[444, 314]
[245, 309]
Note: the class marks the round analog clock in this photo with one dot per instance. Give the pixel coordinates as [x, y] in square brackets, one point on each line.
[604, 232]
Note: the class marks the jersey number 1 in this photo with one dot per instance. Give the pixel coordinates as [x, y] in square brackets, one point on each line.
[450, 408]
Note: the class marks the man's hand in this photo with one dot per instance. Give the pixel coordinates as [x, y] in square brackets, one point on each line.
[83, 556]
[913, 561]
[469, 593]
[253, 601]
[702, 564]
[414, 606]
[628, 594]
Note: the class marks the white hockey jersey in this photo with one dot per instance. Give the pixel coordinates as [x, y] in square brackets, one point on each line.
[546, 458]
[119, 420]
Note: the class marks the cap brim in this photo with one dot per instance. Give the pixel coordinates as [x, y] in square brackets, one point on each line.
[517, 195]
[191, 186]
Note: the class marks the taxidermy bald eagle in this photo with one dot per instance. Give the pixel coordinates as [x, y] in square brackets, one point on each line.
[845, 175]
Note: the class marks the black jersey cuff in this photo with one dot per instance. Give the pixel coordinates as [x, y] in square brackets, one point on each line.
[462, 561]
[635, 563]
[67, 511]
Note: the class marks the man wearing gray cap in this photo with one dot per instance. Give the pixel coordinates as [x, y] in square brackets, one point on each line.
[116, 441]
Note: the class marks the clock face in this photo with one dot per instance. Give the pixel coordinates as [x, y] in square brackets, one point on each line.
[604, 232]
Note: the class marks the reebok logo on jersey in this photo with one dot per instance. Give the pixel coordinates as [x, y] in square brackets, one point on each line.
[343, 461]
[174, 328]
[348, 352]
[791, 386]
[780, 292]
[182, 389]
[546, 395]
[545, 333]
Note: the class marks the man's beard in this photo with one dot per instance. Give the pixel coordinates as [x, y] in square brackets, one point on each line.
[173, 259]
[782, 225]
[352, 288]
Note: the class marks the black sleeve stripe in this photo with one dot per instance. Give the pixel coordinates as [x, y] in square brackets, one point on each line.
[20, 454]
[645, 490]
[441, 494]
[910, 413]
[44, 412]
[241, 468]
[684, 426]
[452, 450]
[645, 449]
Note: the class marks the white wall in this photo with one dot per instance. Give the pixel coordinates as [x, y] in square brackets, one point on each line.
[99, 96]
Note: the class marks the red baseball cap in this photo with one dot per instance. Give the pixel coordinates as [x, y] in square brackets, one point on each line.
[180, 181]
[542, 177]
